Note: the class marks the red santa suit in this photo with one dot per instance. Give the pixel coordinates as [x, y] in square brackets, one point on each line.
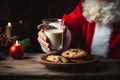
[84, 33]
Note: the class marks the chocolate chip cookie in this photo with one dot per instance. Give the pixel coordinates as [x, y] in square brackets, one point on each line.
[56, 58]
[74, 54]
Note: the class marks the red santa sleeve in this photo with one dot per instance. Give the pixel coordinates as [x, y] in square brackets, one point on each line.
[74, 23]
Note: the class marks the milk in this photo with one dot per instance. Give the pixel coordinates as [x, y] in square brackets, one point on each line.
[55, 37]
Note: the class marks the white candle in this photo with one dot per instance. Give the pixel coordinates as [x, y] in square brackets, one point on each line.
[9, 30]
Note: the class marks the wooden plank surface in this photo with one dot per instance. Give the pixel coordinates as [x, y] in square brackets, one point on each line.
[31, 68]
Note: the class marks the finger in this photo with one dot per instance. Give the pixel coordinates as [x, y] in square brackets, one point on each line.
[42, 35]
[44, 44]
[43, 40]
[40, 26]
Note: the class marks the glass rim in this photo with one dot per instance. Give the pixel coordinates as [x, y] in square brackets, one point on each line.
[47, 20]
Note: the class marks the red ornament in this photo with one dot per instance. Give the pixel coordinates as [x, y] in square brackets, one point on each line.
[16, 51]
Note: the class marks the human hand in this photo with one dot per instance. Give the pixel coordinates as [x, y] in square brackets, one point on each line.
[42, 38]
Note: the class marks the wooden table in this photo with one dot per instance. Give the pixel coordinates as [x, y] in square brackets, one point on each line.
[29, 69]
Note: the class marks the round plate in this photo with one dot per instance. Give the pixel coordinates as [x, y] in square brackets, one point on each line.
[42, 60]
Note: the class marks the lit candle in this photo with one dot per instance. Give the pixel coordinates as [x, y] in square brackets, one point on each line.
[16, 51]
[9, 29]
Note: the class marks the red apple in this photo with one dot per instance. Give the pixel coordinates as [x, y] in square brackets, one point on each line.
[16, 51]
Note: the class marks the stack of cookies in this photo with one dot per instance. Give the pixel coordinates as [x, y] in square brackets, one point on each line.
[70, 55]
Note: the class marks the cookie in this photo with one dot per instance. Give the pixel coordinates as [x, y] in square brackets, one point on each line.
[56, 58]
[74, 54]
[81, 60]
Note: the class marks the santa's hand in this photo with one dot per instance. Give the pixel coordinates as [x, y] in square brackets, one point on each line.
[42, 38]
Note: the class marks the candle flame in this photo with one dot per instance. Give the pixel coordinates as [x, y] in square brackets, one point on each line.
[9, 24]
[17, 42]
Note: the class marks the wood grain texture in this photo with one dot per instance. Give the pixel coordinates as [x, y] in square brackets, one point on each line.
[29, 68]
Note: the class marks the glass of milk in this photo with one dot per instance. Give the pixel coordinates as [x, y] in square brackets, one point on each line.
[54, 33]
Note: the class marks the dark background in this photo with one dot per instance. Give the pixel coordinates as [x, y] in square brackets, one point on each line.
[31, 12]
